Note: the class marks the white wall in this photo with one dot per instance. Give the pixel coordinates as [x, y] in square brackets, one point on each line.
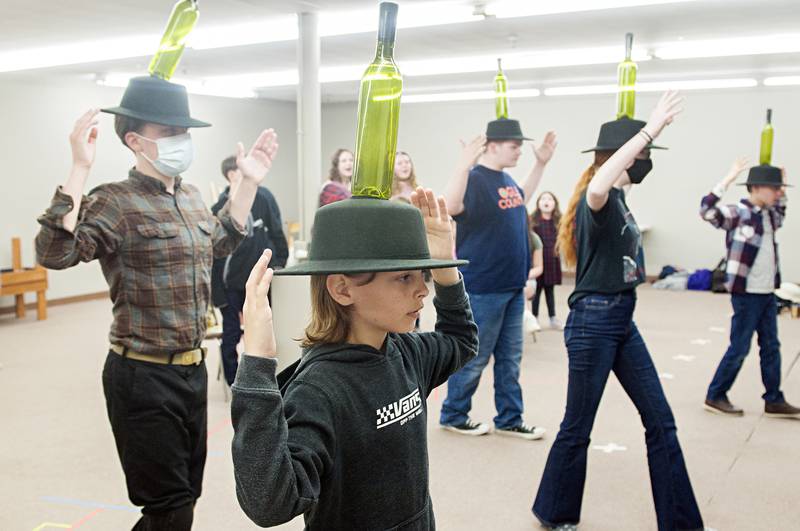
[34, 150]
[715, 128]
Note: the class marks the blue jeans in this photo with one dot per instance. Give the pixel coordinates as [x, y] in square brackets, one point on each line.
[499, 320]
[751, 313]
[231, 333]
[601, 337]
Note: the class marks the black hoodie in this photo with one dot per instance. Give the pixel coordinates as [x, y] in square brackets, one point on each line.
[346, 443]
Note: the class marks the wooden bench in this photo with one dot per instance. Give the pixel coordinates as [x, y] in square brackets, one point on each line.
[18, 280]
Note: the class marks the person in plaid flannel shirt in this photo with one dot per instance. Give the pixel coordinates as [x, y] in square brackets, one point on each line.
[155, 240]
[753, 272]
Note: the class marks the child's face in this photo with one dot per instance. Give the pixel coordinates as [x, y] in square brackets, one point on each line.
[402, 167]
[345, 165]
[546, 204]
[392, 302]
[767, 196]
[506, 153]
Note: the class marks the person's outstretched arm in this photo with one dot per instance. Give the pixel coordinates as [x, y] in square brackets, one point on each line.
[608, 174]
[726, 216]
[457, 185]
[455, 339]
[282, 446]
[77, 228]
[543, 154]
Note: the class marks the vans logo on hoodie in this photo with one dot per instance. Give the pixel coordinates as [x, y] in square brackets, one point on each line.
[400, 411]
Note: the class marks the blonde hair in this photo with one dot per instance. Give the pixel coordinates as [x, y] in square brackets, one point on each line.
[412, 178]
[566, 243]
[330, 321]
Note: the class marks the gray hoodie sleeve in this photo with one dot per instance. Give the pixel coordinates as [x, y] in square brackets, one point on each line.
[282, 446]
[455, 340]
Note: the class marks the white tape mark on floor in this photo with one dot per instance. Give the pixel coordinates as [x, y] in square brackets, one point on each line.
[609, 448]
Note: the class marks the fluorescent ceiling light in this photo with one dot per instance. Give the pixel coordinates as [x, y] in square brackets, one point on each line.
[765, 44]
[225, 90]
[782, 81]
[274, 29]
[432, 67]
[465, 96]
[660, 86]
[284, 28]
[528, 8]
[77, 53]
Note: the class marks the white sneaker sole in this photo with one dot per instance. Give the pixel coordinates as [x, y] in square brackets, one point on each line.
[483, 430]
[537, 434]
[720, 412]
[782, 415]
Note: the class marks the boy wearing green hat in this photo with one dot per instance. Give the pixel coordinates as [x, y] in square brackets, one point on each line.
[753, 272]
[341, 436]
[492, 233]
[155, 240]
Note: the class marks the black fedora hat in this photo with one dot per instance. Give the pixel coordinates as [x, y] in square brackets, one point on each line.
[504, 129]
[764, 175]
[614, 135]
[366, 235]
[157, 101]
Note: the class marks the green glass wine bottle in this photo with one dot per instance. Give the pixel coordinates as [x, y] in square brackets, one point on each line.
[181, 21]
[500, 92]
[626, 84]
[767, 134]
[378, 114]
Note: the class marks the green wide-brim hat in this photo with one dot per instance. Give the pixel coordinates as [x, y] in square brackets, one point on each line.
[366, 235]
[764, 175]
[614, 135]
[504, 129]
[155, 100]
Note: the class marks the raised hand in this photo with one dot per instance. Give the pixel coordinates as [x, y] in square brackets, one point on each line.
[545, 151]
[438, 228]
[472, 150]
[666, 109]
[738, 166]
[83, 139]
[256, 163]
[259, 335]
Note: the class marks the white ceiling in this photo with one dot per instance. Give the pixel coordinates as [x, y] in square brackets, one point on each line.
[29, 24]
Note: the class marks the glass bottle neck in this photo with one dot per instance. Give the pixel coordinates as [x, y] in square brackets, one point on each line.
[384, 50]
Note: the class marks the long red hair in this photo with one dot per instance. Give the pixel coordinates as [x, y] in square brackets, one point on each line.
[566, 244]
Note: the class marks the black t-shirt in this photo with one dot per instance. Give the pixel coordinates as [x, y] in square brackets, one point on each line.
[610, 255]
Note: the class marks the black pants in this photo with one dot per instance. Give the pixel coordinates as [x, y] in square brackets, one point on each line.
[159, 416]
[549, 295]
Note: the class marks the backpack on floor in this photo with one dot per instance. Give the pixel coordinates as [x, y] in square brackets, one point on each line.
[700, 280]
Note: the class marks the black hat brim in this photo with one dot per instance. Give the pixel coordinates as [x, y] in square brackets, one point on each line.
[174, 121]
[607, 148]
[350, 266]
[509, 138]
[763, 183]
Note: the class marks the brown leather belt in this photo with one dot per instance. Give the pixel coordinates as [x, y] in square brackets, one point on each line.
[189, 357]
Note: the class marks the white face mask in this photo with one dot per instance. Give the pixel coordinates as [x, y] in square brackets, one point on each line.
[175, 154]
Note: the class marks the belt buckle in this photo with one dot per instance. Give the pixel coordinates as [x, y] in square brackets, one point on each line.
[186, 358]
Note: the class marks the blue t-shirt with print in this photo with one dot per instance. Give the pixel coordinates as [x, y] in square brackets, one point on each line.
[492, 233]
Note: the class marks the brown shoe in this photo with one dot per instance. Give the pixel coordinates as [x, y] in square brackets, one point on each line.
[723, 407]
[781, 410]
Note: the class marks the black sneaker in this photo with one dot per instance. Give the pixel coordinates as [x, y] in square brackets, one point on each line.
[523, 431]
[470, 427]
